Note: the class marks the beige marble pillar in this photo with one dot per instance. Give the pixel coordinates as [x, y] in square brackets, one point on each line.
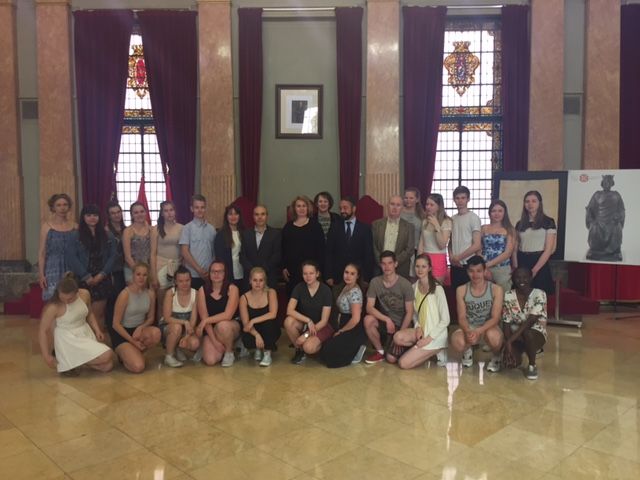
[217, 165]
[546, 118]
[12, 220]
[383, 100]
[55, 122]
[602, 85]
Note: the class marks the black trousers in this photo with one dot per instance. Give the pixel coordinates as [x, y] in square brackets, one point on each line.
[459, 276]
[269, 331]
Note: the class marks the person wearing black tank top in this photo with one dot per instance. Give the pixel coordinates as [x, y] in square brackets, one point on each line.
[217, 305]
[258, 310]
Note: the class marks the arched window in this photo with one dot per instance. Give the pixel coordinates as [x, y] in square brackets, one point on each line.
[469, 146]
[139, 154]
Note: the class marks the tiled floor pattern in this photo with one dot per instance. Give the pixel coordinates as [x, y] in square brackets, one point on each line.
[579, 420]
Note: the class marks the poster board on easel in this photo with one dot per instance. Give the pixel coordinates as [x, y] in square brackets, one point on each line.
[510, 187]
[601, 226]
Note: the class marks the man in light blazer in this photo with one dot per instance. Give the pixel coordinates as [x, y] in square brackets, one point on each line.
[261, 247]
[349, 241]
[394, 234]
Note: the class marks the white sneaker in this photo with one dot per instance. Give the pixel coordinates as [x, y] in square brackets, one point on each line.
[197, 357]
[257, 355]
[170, 361]
[266, 359]
[467, 358]
[228, 359]
[359, 355]
[180, 355]
[442, 358]
[495, 364]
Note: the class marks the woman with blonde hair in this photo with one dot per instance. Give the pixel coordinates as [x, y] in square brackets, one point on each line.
[133, 318]
[258, 310]
[436, 232]
[428, 335]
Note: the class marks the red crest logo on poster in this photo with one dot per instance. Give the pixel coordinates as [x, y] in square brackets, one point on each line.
[584, 178]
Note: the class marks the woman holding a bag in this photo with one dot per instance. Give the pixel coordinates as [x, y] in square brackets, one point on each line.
[428, 336]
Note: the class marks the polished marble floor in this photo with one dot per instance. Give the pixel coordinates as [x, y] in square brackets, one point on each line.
[579, 420]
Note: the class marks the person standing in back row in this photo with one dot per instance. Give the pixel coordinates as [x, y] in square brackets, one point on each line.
[396, 235]
[465, 237]
[196, 243]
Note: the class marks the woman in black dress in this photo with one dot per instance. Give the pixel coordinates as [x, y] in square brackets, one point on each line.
[302, 239]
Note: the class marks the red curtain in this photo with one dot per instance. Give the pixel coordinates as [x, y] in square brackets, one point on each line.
[516, 58]
[250, 101]
[349, 62]
[423, 50]
[171, 56]
[629, 79]
[101, 44]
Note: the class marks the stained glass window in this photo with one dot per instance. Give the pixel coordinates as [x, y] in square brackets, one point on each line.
[469, 146]
[138, 145]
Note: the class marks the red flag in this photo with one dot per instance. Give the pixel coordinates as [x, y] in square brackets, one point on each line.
[142, 198]
[167, 183]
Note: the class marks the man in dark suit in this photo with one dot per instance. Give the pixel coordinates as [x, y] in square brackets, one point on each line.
[349, 242]
[261, 247]
[394, 234]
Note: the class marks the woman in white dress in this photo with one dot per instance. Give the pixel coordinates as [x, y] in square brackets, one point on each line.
[76, 334]
[431, 319]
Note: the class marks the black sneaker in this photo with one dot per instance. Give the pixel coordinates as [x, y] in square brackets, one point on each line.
[298, 357]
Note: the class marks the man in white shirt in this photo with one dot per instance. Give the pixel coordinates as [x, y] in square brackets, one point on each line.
[465, 237]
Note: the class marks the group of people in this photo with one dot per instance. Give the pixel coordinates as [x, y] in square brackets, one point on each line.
[205, 293]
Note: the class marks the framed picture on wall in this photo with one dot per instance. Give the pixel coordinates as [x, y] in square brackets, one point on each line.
[299, 111]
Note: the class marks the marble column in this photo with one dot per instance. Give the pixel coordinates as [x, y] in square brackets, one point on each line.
[383, 100]
[217, 164]
[12, 220]
[546, 117]
[55, 122]
[602, 86]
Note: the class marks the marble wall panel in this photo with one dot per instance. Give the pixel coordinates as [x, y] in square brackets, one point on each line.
[546, 118]
[602, 85]
[217, 180]
[383, 99]
[55, 122]
[12, 245]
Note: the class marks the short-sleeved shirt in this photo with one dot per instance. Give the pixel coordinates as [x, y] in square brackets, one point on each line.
[346, 299]
[430, 243]
[533, 240]
[392, 300]
[536, 304]
[312, 306]
[199, 236]
[462, 232]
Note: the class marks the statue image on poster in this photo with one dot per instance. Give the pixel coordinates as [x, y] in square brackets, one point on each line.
[605, 215]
